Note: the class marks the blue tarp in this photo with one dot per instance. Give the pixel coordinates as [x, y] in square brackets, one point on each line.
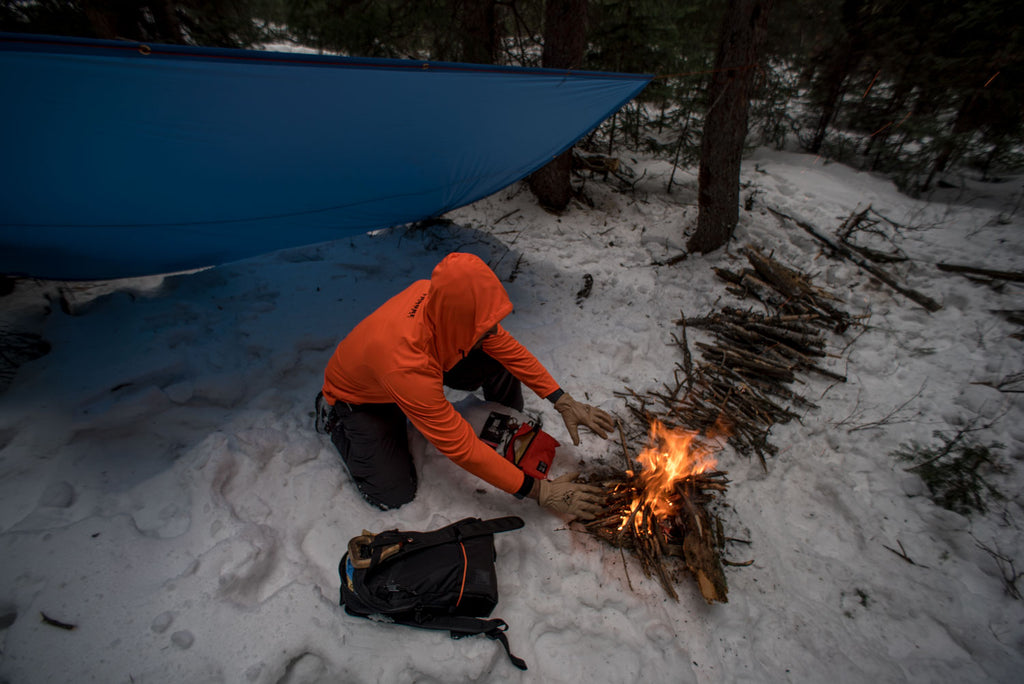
[124, 159]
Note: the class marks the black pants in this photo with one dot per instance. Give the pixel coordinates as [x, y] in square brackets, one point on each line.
[372, 441]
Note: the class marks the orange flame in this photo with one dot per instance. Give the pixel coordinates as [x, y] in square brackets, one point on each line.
[671, 456]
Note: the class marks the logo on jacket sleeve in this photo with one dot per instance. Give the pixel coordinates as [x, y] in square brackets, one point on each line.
[416, 306]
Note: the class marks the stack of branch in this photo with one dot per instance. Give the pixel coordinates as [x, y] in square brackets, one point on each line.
[690, 533]
[787, 291]
[743, 383]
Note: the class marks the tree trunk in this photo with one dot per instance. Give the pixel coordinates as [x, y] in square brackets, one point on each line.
[479, 31]
[114, 19]
[896, 105]
[949, 147]
[725, 126]
[565, 33]
[844, 61]
[834, 86]
[108, 20]
[167, 25]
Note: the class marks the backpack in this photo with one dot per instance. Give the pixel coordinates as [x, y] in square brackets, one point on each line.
[442, 580]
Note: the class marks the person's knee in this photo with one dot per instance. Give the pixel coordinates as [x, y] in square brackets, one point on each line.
[394, 495]
[373, 447]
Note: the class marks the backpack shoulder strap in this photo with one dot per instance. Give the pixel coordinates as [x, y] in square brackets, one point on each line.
[460, 627]
[474, 527]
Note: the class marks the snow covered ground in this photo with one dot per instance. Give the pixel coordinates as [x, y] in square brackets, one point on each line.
[162, 489]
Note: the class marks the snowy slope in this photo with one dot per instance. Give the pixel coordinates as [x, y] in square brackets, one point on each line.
[161, 486]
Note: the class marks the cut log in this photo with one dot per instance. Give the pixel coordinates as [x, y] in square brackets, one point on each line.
[700, 549]
[785, 280]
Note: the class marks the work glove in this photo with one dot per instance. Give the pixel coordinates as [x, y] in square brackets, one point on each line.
[575, 413]
[565, 496]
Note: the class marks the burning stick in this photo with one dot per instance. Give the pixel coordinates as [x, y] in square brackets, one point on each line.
[659, 512]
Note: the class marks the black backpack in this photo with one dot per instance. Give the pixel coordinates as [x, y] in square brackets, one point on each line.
[441, 580]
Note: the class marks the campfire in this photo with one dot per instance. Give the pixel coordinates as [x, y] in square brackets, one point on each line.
[659, 511]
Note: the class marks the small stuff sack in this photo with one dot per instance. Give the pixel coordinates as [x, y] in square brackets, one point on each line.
[444, 579]
[522, 442]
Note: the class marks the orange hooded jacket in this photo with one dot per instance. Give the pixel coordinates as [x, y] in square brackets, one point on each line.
[398, 354]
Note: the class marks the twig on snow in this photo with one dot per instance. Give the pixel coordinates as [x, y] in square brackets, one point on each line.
[902, 553]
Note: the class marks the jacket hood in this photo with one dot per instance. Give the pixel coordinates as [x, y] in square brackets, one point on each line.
[464, 301]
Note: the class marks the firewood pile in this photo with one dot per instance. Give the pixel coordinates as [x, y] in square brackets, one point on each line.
[740, 388]
[745, 378]
[787, 291]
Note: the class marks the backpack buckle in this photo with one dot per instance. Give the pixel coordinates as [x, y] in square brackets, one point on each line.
[361, 550]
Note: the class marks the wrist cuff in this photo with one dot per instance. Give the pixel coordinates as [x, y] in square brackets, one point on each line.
[556, 395]
[525, 489]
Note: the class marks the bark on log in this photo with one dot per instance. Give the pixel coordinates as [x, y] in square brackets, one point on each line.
[784, 279]
[700, 549]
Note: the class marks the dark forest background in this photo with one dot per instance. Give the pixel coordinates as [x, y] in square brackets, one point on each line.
[922, 90]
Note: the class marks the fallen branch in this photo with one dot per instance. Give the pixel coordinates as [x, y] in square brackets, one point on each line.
[672, 261]
[595, 163]
[625, 450]
[57, 623]
[902, 553]
[875, 255]
[1009, 573]
[928, 303]
[1011, 384]
[887, 419]
[857, 222]
[1015, 276]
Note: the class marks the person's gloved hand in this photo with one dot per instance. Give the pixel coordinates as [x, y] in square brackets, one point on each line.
[576, 413]
[565, 496]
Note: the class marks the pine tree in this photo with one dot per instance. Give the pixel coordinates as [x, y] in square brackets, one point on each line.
[565, 31]
[480, 31]
[725, 126]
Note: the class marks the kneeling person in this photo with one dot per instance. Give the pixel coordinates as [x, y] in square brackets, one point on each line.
[394, 365]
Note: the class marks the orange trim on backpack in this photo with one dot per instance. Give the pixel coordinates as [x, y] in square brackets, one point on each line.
[465, 566]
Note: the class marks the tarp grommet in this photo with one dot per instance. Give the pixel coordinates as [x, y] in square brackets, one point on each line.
[145, 49]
